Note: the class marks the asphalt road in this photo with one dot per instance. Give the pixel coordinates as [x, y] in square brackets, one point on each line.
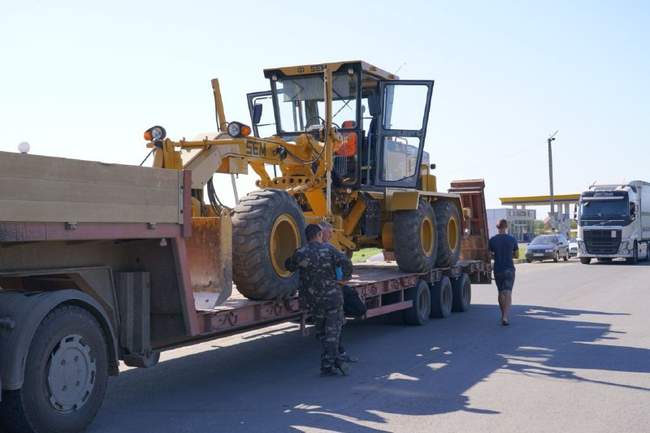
[576, 358]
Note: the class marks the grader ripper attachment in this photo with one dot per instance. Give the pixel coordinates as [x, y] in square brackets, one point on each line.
[347, 139]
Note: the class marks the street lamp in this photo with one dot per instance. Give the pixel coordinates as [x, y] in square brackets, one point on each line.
[550, 140]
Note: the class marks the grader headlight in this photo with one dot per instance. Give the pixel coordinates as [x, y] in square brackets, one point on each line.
[236, 129]
[155, 133]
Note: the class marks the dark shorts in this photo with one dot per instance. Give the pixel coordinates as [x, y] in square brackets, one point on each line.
[505, 280]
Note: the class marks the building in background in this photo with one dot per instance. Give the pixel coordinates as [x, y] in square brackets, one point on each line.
[521, 222]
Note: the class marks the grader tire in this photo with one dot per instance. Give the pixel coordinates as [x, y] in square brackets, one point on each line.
[415, 238]
[449, 226]
[268, 226]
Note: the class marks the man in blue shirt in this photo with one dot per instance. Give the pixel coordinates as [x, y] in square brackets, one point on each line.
[503, 248]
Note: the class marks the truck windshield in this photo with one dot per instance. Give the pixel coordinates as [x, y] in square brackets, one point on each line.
[300, 102]
[616, 207]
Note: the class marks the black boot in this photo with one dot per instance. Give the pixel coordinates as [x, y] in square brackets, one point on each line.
[328, 372]
[342, 367]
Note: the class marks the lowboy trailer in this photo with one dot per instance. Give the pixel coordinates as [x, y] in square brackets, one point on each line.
[103, 263]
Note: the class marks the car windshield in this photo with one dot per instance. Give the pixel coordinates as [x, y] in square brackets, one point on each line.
[615, 207]
[544, 240]
[301, 105]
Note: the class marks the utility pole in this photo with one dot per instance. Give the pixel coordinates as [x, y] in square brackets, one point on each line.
[550, 140]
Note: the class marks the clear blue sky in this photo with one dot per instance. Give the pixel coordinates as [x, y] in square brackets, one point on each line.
[85, 79]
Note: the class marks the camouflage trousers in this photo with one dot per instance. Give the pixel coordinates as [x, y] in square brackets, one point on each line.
[329, 323]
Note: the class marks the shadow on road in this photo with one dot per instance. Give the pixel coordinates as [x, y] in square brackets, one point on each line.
[271, 384]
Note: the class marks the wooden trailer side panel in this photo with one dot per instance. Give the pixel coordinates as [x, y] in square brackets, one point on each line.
[46, 189]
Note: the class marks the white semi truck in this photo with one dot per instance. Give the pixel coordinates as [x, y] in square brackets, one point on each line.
[614, 221]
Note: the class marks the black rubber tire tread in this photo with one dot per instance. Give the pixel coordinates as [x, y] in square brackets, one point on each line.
[585, 260]
[414, 316]
[252, 223]
[28, 410]
[444, 211]
[406, 239]
[440, 292]
[462, 290]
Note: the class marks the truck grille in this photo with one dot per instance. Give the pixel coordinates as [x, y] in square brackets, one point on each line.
[601, 241]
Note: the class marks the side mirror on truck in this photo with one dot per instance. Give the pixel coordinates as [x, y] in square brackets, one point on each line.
[633, 210]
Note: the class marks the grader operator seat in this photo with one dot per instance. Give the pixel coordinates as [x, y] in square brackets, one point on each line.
[345, 157]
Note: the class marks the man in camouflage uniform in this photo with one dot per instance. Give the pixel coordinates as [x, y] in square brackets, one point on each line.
[317, 265]
[328, 232]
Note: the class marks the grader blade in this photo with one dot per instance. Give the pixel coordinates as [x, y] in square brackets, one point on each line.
[209, 252]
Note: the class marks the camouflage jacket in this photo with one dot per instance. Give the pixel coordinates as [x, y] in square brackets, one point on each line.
[317, 265]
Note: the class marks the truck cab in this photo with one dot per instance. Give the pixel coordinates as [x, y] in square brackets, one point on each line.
[612, 222]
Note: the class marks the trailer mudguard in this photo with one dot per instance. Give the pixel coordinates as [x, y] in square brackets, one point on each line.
[23, 313]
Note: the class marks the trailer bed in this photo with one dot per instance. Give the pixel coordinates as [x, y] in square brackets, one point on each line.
[381, 286]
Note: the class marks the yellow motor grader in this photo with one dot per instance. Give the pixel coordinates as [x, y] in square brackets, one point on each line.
[341, 142]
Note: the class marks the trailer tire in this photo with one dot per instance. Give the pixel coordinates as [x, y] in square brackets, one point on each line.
[441, 298]
[55, 398]
[415, 238]
[462, 291]
[448, 222]
[268, 226]
[585, 260]
[419, 313]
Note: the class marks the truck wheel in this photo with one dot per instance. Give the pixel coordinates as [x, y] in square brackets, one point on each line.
[529, 260]
[441, 298]
[268, 226]
[419, 313]
[415, 238]
[585, 260]
[635, 255]
[66, 373]
[462, 293]
[448, 222]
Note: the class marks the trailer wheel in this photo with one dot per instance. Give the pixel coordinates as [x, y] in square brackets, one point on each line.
[441, 298]
[66, 373]
[268, 226]
[585, 260]
[462, 290]
[419, 313]
[448, 222]
[415, 238]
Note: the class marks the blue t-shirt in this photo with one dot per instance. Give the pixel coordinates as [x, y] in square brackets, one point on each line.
[503, 246]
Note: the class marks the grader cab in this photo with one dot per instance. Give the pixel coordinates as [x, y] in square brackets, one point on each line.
[348, 141]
